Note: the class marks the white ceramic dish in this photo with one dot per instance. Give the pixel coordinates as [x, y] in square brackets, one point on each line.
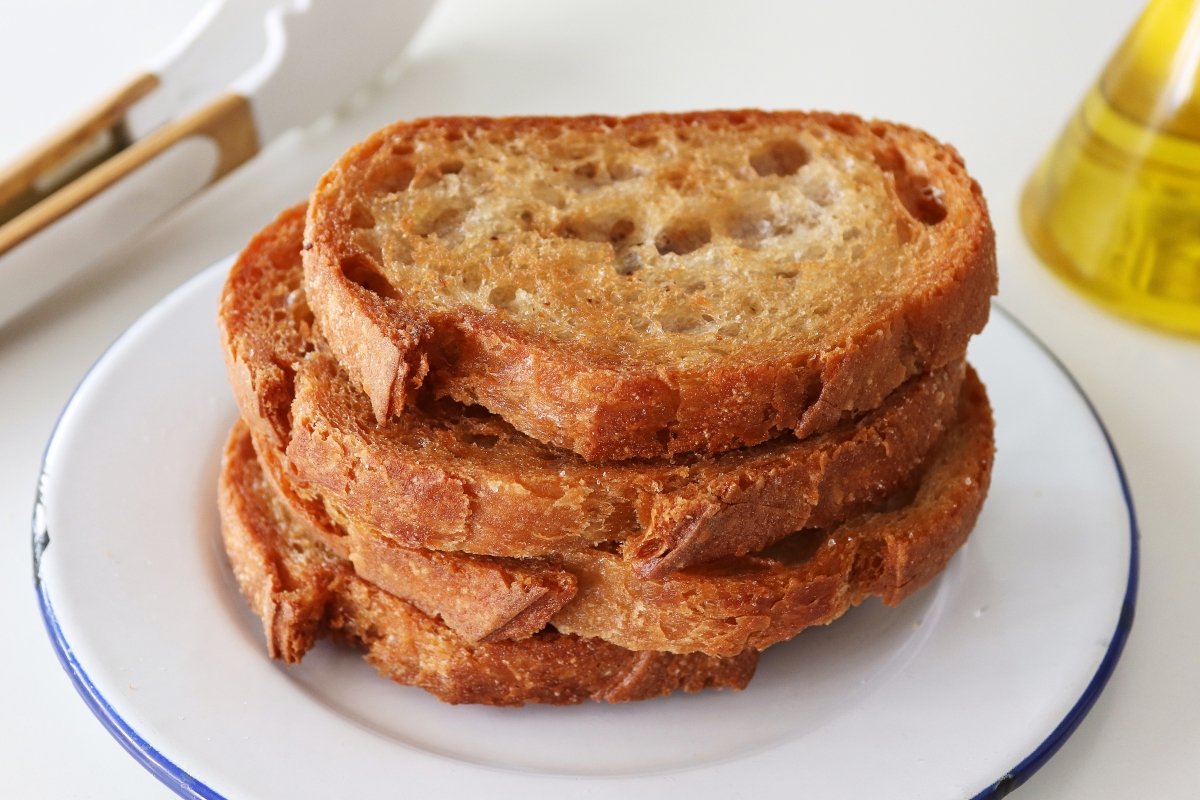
[963, 691]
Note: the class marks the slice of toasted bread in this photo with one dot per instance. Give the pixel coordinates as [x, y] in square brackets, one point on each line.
[449, 478]
[301, 590]
[649, 285]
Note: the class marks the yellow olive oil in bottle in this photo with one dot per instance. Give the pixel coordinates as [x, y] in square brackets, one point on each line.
[1114, 207]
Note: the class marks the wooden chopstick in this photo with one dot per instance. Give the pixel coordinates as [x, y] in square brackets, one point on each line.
[227, 121]
[19, 180]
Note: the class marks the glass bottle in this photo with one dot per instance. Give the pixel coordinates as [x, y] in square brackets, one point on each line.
[1114, 207]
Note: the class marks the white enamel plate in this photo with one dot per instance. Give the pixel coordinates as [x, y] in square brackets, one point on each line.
[963, 691]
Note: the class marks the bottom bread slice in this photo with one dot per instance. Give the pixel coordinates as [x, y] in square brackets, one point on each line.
[302, 590]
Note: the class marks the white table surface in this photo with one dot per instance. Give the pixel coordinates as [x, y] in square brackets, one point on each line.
[996, 79]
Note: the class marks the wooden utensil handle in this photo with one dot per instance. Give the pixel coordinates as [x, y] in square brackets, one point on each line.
[227, 121]
[19, 177]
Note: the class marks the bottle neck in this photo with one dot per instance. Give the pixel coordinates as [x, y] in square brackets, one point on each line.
[1154, 77]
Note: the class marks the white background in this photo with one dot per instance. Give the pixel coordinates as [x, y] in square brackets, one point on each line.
[996, 79]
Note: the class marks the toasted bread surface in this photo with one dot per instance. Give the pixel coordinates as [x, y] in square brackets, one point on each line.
[660, 284]
[302, 590]
[450, 477]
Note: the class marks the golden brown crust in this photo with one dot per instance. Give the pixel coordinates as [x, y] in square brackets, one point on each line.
[265, 327]
[289, 594]
[302, 590]
[478, 597]
[265, 331]
[822, 482]
[609, 399]
[452, 482]
[482, 599]
[450, 479]
[808, 579]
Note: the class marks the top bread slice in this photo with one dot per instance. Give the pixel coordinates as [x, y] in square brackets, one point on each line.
[650, 285]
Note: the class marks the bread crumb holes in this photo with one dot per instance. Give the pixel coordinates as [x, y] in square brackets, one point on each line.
[683, 236]
[782, 157]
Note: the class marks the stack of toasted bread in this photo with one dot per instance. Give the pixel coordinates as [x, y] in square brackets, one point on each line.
[549, 409]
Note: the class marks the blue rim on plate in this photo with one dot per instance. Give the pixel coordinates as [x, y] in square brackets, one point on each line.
[1043, 752]
[142, 751]
[186, 785]
[159, 766]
